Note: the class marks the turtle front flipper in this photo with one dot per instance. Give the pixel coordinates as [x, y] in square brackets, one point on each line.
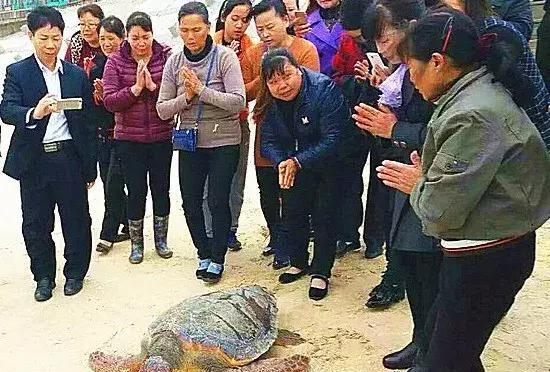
[101, 362]
[295, 363]
[155, 364]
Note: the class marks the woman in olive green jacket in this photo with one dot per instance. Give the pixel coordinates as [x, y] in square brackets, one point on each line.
[482, 185]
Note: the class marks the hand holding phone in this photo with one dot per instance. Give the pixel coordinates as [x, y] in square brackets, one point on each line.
[301, 18]
[300, 24]
[375, 60]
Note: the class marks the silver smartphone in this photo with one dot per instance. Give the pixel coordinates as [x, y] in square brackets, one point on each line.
[68, 103]
[375, 59]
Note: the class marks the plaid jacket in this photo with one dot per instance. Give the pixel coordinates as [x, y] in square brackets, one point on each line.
[538, 108]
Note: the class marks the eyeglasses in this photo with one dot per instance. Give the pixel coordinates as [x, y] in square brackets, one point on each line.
[88, 25]
[447, 31]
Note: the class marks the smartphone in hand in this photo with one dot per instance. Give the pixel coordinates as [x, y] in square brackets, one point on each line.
[301, 18]
[375, 60]
[68, 104]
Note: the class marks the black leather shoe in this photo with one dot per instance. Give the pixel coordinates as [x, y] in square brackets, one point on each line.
[343, 247]
[73, 286]
[279, 264]
[286, 278]
[122, 237]
[44, 289]
[373, 253]
[104, 247]
[385, 296]
[317, 294]
[401, 359]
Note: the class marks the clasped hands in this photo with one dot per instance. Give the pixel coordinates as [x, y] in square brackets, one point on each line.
[379, 122]
[287, 173]
[143, 79]
[193, 85]
[400, 176]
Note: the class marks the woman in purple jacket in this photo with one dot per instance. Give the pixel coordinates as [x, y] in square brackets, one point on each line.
[131, 81]
[326, 30]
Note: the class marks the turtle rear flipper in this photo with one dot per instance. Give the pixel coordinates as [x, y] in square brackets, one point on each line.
[295, 363]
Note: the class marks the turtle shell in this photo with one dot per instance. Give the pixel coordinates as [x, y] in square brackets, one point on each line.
[241, 323]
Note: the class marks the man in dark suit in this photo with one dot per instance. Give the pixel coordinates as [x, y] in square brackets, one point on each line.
[51, 153]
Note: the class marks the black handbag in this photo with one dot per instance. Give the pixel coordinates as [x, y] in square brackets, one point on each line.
[186, 139]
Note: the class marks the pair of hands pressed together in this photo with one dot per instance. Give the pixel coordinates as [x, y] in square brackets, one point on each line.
[287, 173]
[143, 79]
[400, 176]
[98, 91]
[380, 122]
[193, 86]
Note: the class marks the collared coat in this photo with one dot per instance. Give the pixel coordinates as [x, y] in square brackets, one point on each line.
[326, 41]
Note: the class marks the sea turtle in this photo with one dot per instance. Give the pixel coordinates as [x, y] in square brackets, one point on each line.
[215, 332]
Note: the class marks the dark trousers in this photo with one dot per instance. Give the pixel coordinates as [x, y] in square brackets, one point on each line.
[351, 210]
[316, 193]
[421, 273]
[378, 213]
[270, 203]
[378, 218]
[219, 165]
[57, 180]
[138, 161]
[113, 190]
[475, 292]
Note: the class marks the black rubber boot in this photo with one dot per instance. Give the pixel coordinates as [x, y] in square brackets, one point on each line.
[160, 229]
[136, 237]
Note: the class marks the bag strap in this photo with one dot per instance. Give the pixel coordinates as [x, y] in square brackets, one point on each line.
[201, 103]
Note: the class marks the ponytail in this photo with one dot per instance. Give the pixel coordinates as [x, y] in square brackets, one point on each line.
[454, 34]
[226, 8]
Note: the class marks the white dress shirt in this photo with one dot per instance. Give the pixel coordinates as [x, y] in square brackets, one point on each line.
[57, 128]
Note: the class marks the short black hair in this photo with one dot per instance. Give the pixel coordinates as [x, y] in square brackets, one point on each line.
[274, 61]
[194, 7]
[93, 9]
[139, 19]
[266, 5]
[112, 24]
[42, 16]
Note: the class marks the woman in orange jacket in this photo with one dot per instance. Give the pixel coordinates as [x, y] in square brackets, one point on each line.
[233, 20]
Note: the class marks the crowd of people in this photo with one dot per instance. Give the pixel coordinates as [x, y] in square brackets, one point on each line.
[445, 97]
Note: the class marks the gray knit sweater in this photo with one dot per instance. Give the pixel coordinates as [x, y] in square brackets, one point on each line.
[223, 98]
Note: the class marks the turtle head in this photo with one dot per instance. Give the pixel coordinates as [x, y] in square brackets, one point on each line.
[155, 364]
[101, 362]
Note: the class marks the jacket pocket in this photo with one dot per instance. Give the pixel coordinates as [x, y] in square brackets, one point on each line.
[449, 164]
[439, 194]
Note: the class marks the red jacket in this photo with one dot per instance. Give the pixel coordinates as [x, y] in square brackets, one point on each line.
[136, 118]
[348, 54]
